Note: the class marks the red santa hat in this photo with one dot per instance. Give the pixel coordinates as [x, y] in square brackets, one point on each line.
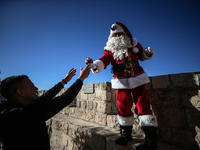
[119, 27]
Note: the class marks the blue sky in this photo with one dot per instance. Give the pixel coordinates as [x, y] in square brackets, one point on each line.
[45, 39]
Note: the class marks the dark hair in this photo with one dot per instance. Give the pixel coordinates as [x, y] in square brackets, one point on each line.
[10, 84]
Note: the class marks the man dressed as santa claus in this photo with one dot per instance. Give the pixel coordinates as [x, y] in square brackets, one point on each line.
[129, 79]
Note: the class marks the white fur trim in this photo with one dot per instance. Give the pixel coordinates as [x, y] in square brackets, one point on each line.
[130, 83]
[125, 121]
[145, 57]
[99, 65]
[93, 66]
[135, 42]
[148, 120]
[135, 50]
[118, 29]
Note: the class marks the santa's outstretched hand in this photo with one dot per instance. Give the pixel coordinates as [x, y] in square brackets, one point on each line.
[149, 51]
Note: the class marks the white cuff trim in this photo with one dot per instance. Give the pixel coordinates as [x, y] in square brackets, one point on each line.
[125, 121]
[148, 120]
[99, 66]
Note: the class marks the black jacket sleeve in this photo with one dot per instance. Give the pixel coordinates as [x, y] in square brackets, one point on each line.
[40, 112]
[51, 93]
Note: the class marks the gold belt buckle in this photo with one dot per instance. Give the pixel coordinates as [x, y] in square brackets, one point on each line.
[129, 65]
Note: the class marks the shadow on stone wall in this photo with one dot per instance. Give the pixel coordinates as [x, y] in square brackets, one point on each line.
[177, 107]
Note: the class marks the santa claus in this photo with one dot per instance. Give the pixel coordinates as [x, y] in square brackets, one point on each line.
[129, 79]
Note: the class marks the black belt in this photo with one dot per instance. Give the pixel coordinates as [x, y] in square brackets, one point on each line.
[125, 66]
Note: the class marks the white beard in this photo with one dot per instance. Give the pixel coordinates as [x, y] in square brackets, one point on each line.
[119, 46]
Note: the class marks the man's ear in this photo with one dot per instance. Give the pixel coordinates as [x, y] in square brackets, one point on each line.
[20, 92]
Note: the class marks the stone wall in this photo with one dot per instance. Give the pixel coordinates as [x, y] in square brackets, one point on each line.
[175, 100]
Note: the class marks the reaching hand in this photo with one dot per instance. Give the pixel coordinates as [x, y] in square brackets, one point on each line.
[84, 73]
[149, 51]
[70, 74]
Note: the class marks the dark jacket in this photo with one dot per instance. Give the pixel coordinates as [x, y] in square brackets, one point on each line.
[23, 126]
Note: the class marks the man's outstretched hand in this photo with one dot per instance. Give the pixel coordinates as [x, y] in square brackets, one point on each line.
[84, 73]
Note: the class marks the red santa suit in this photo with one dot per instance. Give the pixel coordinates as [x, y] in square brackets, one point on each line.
[129, 80]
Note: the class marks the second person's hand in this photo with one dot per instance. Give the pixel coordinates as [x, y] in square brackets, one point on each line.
[84, 73]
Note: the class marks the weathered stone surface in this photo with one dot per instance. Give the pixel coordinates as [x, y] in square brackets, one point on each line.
[103, 95]
[92, 96]
[104, 107]
[176, 103]
[193, 118]
[163, 97]
[80, 113]
[197, 137]
[178, 137]
[84, 96]
[112, 121]
[83, 104]
[160, 82]
[90, 105]
[172, 117]
[148, 85]
[101, 118]
[190, 98]
[186, 80]
[103, 86]
[90, 116]
[113, 100]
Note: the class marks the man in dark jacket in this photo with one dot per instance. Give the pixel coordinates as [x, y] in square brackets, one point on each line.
[23, 115]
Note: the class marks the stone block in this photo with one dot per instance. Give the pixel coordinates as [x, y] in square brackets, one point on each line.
[192, 117]
[178, 137]
[171, 117]
[72, 130]
[197, 137]
[113, 101]
[57, 124]
[83, 104]
[101, 118]
[148, 86]
[160, 82]
[104, 107]
[190, 98]
[78, 103]
[186, 79]
[90, 116]
[72, 111]
[112, 121]
[89, 105]
[103, 95]
[92, 96]
[84, 96]
[55, 141]
[78, 97]
[163, 97]
[103, 86]
[80, 113]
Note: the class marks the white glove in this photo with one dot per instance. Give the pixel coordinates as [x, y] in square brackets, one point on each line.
[149, 50]
[93, 66]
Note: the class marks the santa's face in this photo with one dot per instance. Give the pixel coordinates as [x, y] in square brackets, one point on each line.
[118, 34]
[119, 44]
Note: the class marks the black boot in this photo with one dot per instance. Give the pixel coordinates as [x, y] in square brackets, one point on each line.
[125, 135]
[150, 139]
